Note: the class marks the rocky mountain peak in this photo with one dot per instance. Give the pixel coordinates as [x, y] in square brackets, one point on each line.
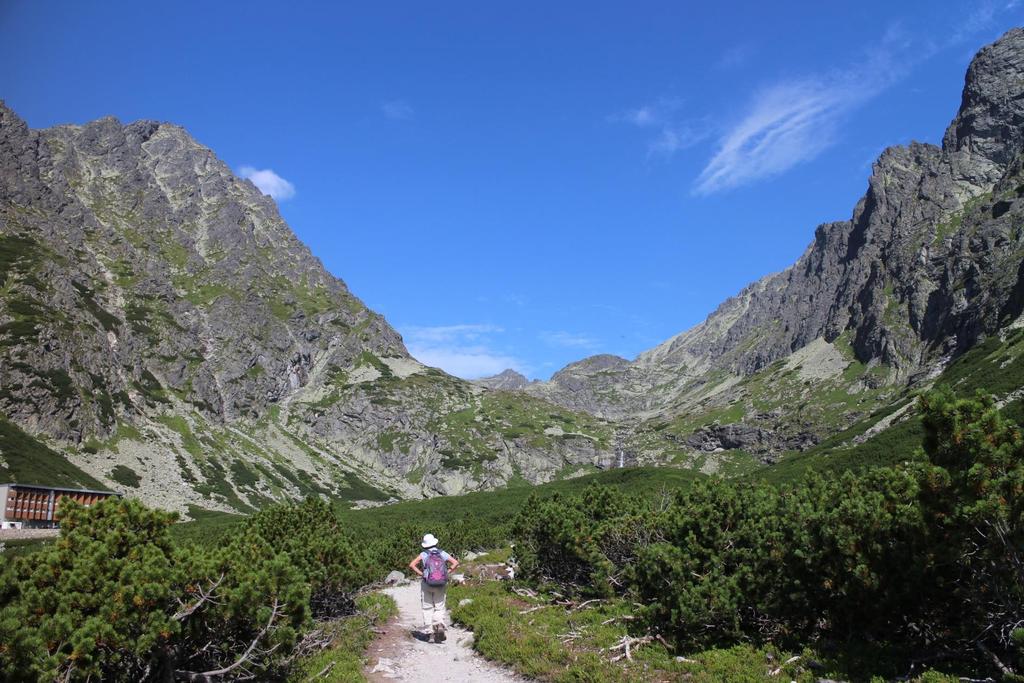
[987, 133]
[506, 380]
[142, 260]
[599, 363]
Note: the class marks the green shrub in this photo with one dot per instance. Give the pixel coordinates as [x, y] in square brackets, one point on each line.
[583, 542]
[974, 495]
[115, 599]
[125, 475]
[923, 556]
[97, 604]
[318, 546]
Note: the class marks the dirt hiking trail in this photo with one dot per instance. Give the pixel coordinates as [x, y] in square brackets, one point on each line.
[402, 654]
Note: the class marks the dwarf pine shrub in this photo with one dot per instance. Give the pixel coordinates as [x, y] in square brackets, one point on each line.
[927, 556]
[115, 600]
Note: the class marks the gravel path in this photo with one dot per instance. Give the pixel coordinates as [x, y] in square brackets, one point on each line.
[402, 654]
[23, 534]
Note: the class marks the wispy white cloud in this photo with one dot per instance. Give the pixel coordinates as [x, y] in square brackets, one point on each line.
[397, 110]
[656, 113]
[468, 351]
[675, 138]
[569, 340]
[793, 121]
[787, 124]
[466, 362]
[268, 182]
[672, 135]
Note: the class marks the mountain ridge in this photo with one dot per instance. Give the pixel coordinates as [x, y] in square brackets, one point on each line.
[859, 268]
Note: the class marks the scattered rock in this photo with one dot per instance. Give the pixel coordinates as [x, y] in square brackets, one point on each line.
[394, 578]
[384, 666]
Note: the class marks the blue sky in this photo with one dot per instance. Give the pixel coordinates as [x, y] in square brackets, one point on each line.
[523, 184]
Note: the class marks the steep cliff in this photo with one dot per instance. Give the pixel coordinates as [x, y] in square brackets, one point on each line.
[929, 264]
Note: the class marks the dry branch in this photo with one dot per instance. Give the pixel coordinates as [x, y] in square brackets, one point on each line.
[205, 596]
[626, 645]
[624, 617]
[533, 609]
[1003, 669]
[570, 636]
[275, 611]
[776, 671]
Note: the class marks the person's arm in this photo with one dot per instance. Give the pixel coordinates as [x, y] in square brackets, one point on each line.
[414, 565]
[453, 562]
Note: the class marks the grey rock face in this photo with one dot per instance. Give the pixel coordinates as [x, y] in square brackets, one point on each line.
[585, 384]
[720, 437]
[154, 269]
[747, 437]
[985, 136]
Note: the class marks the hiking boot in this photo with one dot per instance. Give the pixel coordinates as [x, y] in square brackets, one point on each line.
[439, 634]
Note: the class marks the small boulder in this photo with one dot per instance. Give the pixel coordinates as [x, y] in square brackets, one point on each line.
[384, 666]
[458, 578]
[394, 578]
[465, 601]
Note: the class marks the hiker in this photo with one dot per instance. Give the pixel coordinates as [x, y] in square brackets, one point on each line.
[435, 564]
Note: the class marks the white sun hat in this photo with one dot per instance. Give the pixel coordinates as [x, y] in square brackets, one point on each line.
[429, 541]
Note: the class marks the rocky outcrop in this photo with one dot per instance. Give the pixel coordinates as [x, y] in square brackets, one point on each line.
[748, 437]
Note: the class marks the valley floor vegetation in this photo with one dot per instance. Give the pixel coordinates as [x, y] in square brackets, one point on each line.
[914, 566]
[890, 572]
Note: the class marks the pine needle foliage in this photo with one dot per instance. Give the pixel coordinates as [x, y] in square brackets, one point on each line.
[925, 557]
[116, 600]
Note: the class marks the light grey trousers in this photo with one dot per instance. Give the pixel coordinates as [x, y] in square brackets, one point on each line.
[432, 599]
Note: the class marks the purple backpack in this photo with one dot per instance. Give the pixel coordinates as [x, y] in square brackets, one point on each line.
[435, 569]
